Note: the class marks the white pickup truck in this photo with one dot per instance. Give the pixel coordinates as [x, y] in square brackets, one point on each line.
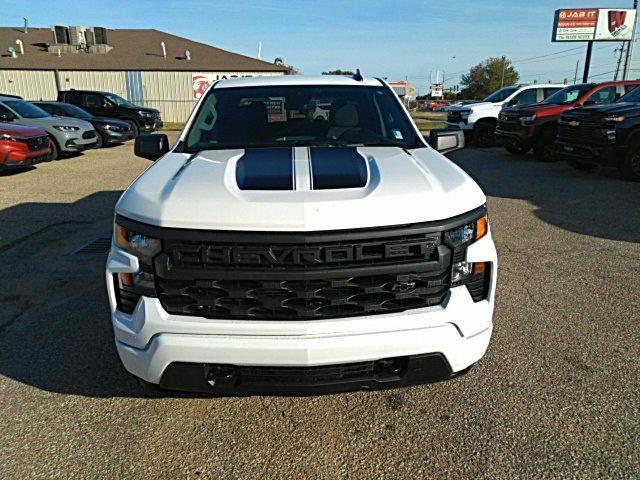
[478, 120]
[300, 237]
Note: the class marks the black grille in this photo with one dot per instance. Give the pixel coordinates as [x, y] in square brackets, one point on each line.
[38, 143]
[508, 124]
[454, 117]
[304, 299]
[303, 280]
[89, 134]
[586, 133]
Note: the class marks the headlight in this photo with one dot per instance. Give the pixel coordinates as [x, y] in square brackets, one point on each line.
[142, 246]
[144, 113]
[66, 128]
[464, 235]
[130, 286]
[474, 275]
[528, 120]
[11, 138]
[113, 128]
[614, 118]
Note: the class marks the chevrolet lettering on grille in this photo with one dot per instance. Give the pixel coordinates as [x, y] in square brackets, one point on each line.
[302, 255]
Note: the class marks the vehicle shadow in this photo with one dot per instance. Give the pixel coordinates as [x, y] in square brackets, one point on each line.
[55, 331]
[598, 203]
[16, 171]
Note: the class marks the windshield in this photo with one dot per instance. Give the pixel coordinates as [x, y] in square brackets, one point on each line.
[26, 109]
[117, 99]
[300, 116]
[500, 95]
[76, 112]
[569, 94]
[633, 96]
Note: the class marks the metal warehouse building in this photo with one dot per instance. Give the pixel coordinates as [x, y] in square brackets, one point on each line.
[147, 67]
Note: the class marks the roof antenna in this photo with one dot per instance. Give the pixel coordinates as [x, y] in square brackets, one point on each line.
[356, 76]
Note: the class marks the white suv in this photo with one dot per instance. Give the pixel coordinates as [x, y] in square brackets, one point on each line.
[478, 120]
[300, 237]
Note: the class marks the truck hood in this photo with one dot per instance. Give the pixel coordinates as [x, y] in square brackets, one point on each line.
[205, 191]
[597, 111]
[474, 106]
[20, 130]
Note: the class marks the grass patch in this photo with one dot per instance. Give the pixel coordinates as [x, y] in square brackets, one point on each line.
[173, 126]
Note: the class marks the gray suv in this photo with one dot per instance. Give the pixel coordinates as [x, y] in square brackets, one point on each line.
[68, 135]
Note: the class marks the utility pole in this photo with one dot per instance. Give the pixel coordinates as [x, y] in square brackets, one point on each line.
[504, 63]
[575, 76]
[587, 62]
[621, 50]
[627, 58]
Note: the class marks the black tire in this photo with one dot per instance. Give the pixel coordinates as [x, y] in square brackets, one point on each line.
[100, 142]
[55, 151]
[583, 166]
[630, 166]
[543, 146]
[134, 127]
[484, 135]
[516, 148]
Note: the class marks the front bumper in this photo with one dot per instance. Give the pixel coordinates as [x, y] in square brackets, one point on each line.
[75, 143]
[150, 125]
[110, 136]
[609, 155]
[522, 136]
[463, 125]
[22, 158]
[153, 344]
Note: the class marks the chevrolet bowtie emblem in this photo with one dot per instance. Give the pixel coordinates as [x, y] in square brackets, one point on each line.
[574, 123]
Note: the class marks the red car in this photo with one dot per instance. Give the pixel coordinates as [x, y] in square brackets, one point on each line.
[535, 126]
[21, 146]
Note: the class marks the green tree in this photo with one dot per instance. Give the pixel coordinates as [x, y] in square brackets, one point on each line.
[487, 77]
[338, 72]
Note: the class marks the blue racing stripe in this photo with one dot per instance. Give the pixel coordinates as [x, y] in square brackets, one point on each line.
[265, 169]
[337, 167]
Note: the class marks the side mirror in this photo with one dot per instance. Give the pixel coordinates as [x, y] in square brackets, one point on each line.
[513, 102]
[151, 146]
[446, 140]
[7, 117]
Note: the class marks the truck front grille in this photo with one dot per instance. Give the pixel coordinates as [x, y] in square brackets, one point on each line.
[271, 276]
[304, 299]
[582, 132]
[508, 124]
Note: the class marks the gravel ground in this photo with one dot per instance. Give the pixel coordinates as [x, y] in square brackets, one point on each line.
[557, 394]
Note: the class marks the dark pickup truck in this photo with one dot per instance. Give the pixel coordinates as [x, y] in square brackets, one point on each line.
[603, 135]
[110, 105]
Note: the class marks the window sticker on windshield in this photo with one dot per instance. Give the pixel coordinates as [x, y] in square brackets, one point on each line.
[397, 134]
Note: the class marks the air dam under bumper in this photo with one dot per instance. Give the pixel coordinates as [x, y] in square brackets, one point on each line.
[427, 344]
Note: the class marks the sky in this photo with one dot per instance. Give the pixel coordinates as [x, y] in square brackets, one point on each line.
[394, 39]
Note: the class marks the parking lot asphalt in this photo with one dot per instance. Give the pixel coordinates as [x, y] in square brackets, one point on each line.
[557, 395]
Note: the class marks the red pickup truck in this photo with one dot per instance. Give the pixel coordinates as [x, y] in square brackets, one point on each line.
[535, 126]
[21, 146]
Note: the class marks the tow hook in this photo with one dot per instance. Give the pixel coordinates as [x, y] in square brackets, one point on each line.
[221, 375]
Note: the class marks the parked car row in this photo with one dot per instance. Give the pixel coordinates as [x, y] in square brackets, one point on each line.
[78, 121]
[586, 124]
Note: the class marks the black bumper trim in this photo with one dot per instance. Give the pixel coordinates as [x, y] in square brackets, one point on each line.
[231, 380]
[600, 154]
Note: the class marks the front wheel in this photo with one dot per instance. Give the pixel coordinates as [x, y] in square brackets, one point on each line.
[579, 165]
[630, 166]
[484, 135]
[543, 146]
[134, 128]
[100, 141]
[516, 148]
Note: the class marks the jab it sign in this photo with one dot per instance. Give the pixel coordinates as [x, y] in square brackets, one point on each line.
[594, 24]
[200, 82]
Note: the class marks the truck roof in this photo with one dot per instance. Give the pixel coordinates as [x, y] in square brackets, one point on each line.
[300, 80]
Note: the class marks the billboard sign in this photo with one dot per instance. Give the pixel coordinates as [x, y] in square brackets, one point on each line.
[437, 91]
[594, 24]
